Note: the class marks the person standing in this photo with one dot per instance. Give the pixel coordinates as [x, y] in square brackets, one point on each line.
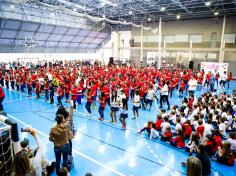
[60, 94]
[136, 104]
[102, 101]
[192, 85]
[150, 96]
[51, 92]
[2, 96]
[59, 135]
[164, 91]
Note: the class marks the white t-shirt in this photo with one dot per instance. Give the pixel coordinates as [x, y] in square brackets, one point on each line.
[222, 128]
[150, 94]
[192, 84]
[233, 144]
[164, 125]
[137, 100]
[207, 129]
[178, 127]
[165, 90]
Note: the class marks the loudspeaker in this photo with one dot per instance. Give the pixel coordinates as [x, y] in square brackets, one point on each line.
[191, 65]
[111, 61]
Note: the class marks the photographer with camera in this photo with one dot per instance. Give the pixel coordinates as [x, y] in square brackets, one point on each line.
[24, 163]
[61, 134]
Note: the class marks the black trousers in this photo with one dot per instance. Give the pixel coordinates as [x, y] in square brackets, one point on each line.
[165, 97]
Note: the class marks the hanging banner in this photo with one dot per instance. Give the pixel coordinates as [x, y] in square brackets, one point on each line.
[151, 57]
[214, 66]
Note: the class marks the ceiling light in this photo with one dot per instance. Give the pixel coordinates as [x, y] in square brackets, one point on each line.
[130, 12]
[177, 17]
[208, 3]
[125, 21]
[162, 9]
[12, 6]
[103, 16]
[74, 9]
[103, 23]
[216, 13]
[149, 19]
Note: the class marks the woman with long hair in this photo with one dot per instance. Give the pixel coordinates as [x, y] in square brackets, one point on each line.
[114, 106]
[102, 101]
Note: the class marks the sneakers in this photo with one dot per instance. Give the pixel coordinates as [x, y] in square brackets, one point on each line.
[101, 119]
[89, 115]
[133, 117]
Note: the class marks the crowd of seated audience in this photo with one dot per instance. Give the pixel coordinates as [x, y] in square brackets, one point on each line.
[207, 128]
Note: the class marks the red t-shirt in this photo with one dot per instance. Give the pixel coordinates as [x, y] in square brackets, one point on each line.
[73, 93]
[179, 141]
[158, 124]
[2, 94]
[200, 130]
[102, 102]
[168, 135]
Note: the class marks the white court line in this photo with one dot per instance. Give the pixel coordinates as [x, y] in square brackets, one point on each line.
[16, 100]
[75, 151]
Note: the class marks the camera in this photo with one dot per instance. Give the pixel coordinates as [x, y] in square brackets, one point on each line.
[25, 130]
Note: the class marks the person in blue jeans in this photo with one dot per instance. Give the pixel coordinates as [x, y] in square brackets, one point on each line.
[60, 135]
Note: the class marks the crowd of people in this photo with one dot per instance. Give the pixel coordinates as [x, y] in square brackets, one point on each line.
[204, 125]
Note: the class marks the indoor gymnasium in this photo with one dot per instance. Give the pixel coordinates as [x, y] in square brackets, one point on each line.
[117, 87]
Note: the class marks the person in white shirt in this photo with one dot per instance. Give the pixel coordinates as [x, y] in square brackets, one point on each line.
[223, 79]
[149, 97]
[165, 124]
[192, 85]
[222, 127]
[164, 92]
[231, 139]
[136, 104]
[207, 128]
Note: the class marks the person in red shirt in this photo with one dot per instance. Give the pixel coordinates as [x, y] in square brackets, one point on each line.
[29, 86]
[73, 93]
[2, 96]
[209, 144]
[167, 134]
[200, 129]
[106, 90]
[89, 102]
[38, 89]
[159, 122]
[17, 82]
[181, 88]
[22, 84]
[60, 95]
[94, 94]
[46, 89]
[79, 94]
[218, 140]
[178, 141]
[102, 101]
[67, 92]
[6, 80]
[188, 129]
[171, 88]
[229, 78]
[12, 80]
[1, 78]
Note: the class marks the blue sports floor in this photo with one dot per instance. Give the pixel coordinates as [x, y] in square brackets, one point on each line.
[104, 149]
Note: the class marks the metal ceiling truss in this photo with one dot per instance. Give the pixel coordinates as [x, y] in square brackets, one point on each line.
[144, 9]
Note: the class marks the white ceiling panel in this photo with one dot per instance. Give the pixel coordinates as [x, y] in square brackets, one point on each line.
[23, 34]
[30, 26]
[46, 28]
[73, 45]
[84, 32]
[8, 34]
[12, 24]
[77, 39]
[6, 42]
[93, 34]
[67, 38]
[52, 44]
[88, 40]
[55, 37]
[73, 31]
[43, 36]
[97, 40]
[60, 30]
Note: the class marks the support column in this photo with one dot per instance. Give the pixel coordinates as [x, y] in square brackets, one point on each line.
[141, 52]
[190, 50]
[116, 45]
[159, 44]
[221, 56]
